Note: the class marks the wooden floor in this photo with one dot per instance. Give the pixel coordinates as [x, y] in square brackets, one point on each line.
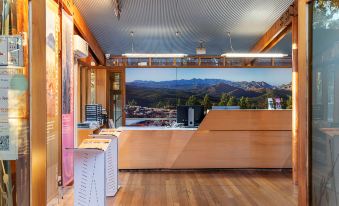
[203, 188]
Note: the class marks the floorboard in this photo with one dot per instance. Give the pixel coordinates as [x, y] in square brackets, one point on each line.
[174, 188]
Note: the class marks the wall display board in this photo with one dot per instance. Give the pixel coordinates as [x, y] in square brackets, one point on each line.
[52, 72]
[67, 98]
[13, 94]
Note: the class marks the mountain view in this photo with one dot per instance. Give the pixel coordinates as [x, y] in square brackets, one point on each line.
[166, 95]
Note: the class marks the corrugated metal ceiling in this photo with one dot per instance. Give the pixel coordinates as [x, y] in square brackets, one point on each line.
[155, 23]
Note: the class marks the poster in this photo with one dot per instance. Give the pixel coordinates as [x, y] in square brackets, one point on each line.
[13, 94]
[52, 81]
[67, 98]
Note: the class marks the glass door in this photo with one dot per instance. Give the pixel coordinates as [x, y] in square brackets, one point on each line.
[116, 98]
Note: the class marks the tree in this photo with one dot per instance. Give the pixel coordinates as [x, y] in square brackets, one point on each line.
[323, 14]
[224, 99]
[248, 103]
[179, 102]
[289, 103]
[232, 101]
[192, 100]
[132, 103]
[167, 104]
[160, 104]
[206, 102]
[243, 103]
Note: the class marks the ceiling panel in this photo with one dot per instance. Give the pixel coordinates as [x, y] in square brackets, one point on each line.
[155, 23]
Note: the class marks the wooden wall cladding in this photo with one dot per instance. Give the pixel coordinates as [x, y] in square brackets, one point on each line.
[101, 87]
[244, 146]
[151, 149]
[237, 149]
[266, 120]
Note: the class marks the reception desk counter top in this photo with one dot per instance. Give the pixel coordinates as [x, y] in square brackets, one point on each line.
[156, 128]
[225, 139]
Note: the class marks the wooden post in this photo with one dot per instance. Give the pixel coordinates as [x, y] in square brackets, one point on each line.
[38, 103]
[22, 165]
[295, 100]
[303, 103]
[150, 61]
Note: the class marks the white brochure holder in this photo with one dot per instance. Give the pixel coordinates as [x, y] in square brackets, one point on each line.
[93, 175]
[112, 164]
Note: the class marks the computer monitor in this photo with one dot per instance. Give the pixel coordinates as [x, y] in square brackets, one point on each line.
[184, 113]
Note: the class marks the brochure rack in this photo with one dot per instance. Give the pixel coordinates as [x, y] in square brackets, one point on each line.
[95, 172]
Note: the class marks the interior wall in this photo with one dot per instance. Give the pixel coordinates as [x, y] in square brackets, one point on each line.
[101, 87]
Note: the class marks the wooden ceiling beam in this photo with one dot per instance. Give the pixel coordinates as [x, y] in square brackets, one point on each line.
[277, 31]
[67, 5]
[85, 32]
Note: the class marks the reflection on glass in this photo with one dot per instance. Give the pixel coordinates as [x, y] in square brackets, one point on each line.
[116, 82]
[319, 94]
[325, 104]
[330, 94]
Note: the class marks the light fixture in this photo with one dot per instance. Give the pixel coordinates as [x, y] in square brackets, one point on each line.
[254, 55]
[150, 55]
[233, 54]
[201, 50]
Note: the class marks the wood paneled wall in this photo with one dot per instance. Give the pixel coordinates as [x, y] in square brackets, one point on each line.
[102, 87]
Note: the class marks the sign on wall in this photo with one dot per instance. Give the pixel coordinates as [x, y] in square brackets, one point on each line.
[52, 80]
[67, 98]
[13, 94]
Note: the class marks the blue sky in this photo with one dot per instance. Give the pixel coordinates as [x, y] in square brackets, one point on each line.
[272, 76]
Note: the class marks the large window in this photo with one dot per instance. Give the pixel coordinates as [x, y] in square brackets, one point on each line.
[153, 94]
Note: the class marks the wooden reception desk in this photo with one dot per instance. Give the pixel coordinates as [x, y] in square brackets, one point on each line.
[225, 139]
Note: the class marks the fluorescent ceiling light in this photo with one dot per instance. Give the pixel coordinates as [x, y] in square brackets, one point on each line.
[145, 55]
[254, 55]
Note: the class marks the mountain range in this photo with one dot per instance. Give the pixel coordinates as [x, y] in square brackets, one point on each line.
[199, 83]
[149, 93]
